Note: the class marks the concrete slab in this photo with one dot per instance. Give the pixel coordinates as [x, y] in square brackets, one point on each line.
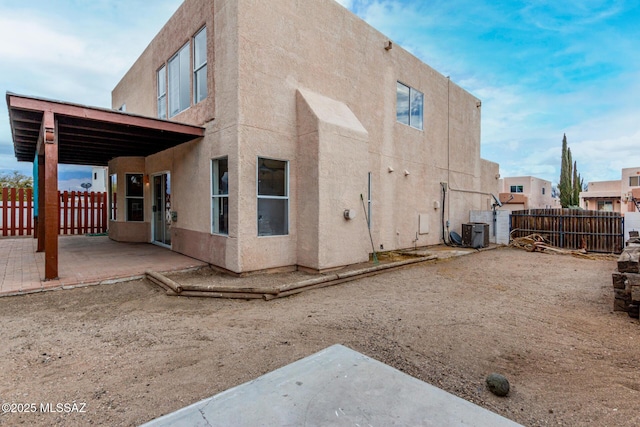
[83, 261]
[334, 387]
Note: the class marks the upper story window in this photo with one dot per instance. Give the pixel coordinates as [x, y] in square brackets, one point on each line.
[179, 83]
[517, 189]
[174, 84]
[409, 106]
[634, 181]
[162, 92]
[543, 191]
[200, 66]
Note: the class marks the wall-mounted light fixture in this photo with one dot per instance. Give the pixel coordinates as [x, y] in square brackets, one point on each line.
[388, 45]
[145, 179]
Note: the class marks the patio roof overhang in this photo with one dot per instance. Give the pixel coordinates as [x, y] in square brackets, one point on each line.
[55, 132]
[90, 135]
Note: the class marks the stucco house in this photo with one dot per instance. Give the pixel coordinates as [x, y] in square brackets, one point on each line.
[526, 192]
[305, 129]
[622, 195]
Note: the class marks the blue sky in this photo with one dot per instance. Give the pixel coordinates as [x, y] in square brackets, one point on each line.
[541, 68]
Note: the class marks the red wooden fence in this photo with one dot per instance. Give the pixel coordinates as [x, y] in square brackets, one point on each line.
[17, 211]
[80, 212]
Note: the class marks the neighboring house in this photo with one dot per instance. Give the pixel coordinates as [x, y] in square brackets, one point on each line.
[99, 179]
[526, 192]
[311, 119]
[621, 195]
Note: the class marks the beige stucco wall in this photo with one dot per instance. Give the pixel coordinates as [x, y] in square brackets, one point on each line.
[627, 189]
[532, 189]
[121, 230]
[287, 45]
[261, 54]
[618, 192]
[190, 164]
[332, 150]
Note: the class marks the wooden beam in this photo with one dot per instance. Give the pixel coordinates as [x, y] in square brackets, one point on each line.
[41, 213]
[101, 114]
[51, 226]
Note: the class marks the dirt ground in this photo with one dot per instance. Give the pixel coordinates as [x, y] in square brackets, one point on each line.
[131, 353]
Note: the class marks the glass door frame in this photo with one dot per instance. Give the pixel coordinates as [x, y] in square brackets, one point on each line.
[166, 215]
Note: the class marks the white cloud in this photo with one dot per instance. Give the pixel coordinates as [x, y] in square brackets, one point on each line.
[38, 42]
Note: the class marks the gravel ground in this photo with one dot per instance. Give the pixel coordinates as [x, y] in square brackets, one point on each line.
[127, 353]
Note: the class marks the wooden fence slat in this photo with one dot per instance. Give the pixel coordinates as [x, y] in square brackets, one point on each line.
[5, 211]
[65, 213]
[29, 229]
[20, 209]
[85, 229]
[12, 200]
[75, 218]
[92, 212]
[103, 210]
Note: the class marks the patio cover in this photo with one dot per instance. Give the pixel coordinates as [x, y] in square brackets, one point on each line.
[90, 135]
[61, 132]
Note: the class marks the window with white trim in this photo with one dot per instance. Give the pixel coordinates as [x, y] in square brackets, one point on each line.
[634, 181]
[517, 189]
[605, 206]
[220, 196]
[273, 197]
[200, 66]
[162, 92]
[409, 106]
[179, 81]
[135, 197]
[174, 81]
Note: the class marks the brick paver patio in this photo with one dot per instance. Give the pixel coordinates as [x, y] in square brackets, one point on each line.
[82, 260]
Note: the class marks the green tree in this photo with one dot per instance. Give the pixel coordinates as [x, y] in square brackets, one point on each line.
[571, 183]
[577, 186]
[564, 186]
[15, 180]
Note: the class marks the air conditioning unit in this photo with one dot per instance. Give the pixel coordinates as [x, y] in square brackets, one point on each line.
[475, 235]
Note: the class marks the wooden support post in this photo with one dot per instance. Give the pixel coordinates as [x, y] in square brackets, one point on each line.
[50, 190]
[40, 202]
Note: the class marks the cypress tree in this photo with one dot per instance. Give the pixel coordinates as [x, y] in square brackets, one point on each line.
[565, 187]
[575, 193]
[571, 182]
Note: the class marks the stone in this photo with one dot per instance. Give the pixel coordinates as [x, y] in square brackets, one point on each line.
[622, 294]
[634, 311]
[629, 260]
[619, 280]
[620, 305]
[498, 384]
[632, 279]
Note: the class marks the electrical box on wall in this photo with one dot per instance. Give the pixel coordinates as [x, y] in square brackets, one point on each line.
[423, 224]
